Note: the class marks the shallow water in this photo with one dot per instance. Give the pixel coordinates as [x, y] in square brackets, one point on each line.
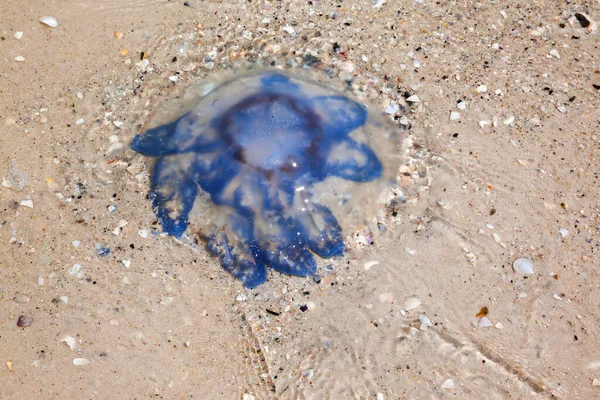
[172, 323]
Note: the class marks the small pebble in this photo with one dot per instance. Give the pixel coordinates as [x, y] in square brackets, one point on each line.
[564, 233]
[587, 22]
[454, 116]
[19, 59]
[461, 105]
[81, 361]
[595, 382]
[79, 121]
[76, 243]
[50, 21]
[481, 89]
[126, 263]
[119, 34]
[18, 35]
[499, 325]
[414, 99]
[484, 322]
[247, 396]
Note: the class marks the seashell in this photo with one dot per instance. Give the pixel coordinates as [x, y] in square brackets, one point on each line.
[523, 266]
[50, 21]
[24, 321]
[411, 303]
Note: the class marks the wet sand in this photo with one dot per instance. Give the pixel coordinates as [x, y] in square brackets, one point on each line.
[513, 175]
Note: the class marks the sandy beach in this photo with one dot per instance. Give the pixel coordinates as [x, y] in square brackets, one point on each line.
[502, 163]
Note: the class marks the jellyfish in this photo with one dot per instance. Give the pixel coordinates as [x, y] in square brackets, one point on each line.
[267, 169]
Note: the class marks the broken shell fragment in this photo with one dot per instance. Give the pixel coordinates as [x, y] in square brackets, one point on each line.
[50, 21]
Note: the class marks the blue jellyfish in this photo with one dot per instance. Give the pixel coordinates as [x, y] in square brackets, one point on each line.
[256, 148]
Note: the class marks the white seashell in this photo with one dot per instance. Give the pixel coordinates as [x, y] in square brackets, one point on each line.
[70, 341]
[50, 21]
[411, 303]
[425, 322]
[448, 384]
[81, 361]
[370, 264]
[523, 266]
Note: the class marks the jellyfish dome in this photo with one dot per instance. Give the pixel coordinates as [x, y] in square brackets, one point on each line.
[269, 169]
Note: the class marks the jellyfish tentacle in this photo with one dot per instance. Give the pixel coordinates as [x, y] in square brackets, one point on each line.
[215, 174]
[338, 115]
[353, 161]
[173, 192]
[283, 246]
[240, 256]
[183, 135]
[321, 230]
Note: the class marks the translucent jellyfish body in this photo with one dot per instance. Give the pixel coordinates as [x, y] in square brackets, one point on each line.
[268, 169]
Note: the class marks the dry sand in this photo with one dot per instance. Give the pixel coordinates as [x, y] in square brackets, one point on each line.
[173, 324]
